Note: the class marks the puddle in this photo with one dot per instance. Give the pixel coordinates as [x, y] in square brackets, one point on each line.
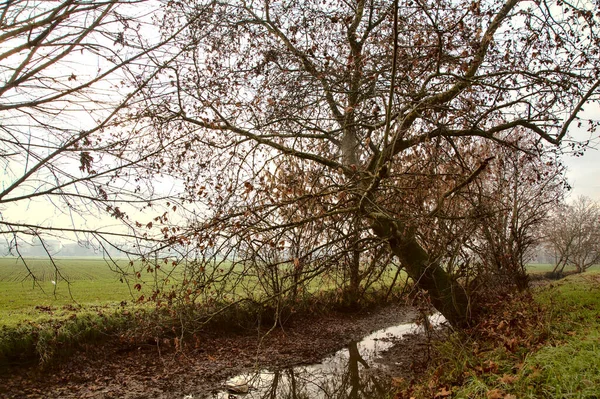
[349, 373]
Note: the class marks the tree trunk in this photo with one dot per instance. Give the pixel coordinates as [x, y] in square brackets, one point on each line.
[521, 279]
[446, 294]
[352, 294]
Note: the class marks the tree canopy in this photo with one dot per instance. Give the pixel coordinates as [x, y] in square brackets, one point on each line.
[346, 135]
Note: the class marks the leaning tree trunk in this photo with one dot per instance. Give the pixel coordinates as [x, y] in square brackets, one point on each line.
[446, 294]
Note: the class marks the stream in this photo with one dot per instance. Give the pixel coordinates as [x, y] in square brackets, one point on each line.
[352, 372]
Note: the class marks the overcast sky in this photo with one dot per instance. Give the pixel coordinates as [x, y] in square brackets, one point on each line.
[584, 172]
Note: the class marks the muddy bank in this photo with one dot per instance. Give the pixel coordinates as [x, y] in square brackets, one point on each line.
[158, 371]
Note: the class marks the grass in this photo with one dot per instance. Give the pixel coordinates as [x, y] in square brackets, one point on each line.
[569, 367]
[31, 297]
[93, 281]
[545, 346]
[45, 314]
[541, 268]
[538, 268]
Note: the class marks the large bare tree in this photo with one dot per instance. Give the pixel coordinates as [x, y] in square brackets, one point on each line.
[383, 106]
[300, 137]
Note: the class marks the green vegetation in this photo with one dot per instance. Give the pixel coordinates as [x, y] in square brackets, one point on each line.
[93, 299]
[87, 281]
[538, 268]
[548, 347]
[93, 281]
[39, 319]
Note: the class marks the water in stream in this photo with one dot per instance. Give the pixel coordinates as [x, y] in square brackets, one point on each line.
[350, 373]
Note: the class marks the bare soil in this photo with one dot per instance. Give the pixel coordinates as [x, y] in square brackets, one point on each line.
[116, 370]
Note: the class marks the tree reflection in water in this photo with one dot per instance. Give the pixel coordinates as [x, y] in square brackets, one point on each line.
[347, 374]
[340, 377]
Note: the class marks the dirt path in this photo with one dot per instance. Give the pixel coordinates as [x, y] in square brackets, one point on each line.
[114, 371]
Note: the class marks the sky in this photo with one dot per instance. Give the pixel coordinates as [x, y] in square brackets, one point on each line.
[584, 175]
[583, 172]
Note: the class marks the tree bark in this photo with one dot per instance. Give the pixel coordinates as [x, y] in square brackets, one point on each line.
[446, 294]
[352, 290]
[353, 294]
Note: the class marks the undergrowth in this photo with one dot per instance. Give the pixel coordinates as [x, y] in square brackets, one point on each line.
[544, 344]
[45, 340]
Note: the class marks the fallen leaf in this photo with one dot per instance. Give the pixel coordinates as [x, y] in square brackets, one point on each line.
[518, 366]
[442, 393]
[397, 381]
[508, 379]
[535, 372]
[495, 394]
[490, 366]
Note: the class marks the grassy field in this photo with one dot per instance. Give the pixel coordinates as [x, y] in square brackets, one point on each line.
[93, 281]
[85, 281]
[88, 281]
[80, 280]
[536, 268]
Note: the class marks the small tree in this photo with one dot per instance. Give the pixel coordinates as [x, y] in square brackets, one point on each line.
[518, 192]
[573, 235]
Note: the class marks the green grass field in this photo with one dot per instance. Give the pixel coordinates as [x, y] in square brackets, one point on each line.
[28, 292]
[536, 268]
[32, 292]
[89, 281]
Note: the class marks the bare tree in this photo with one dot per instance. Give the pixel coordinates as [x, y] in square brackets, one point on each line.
[573, 235]
[515, 198]
[385, 105]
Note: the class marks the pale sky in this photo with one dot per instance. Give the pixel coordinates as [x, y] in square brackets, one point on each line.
[584, 172]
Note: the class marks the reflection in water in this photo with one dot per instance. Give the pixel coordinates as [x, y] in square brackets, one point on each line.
[347, 374]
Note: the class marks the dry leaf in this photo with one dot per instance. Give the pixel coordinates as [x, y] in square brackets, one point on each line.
[397, 381]
[508, 379]
[490, 365]
[442, 393]
[495, 394]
